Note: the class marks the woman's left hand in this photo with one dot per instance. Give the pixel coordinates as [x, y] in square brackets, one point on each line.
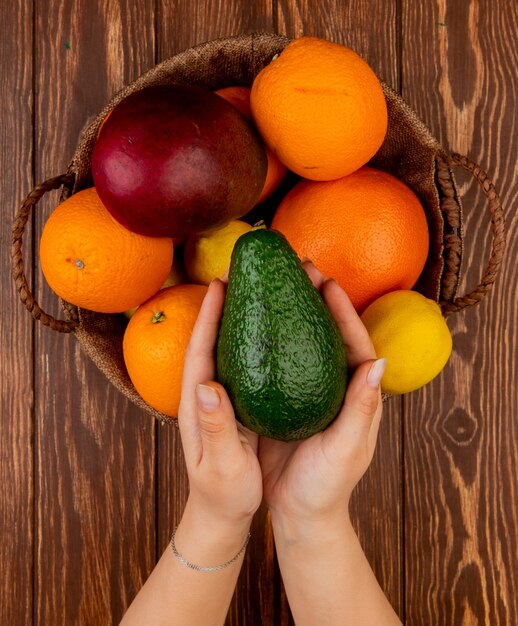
[225, 489]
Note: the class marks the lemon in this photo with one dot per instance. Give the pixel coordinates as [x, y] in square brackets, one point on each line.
[207, 255]
[176, 276]
[410, 331]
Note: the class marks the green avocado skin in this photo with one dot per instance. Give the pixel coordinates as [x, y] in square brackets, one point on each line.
[280, 354]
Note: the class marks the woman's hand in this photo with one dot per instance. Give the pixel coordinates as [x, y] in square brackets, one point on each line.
[225, 491]
[307, 486]
[220, 454]
[312, 480]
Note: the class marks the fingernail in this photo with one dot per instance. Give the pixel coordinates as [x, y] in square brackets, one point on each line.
[305, 259]
[376, 372]
[208, 398]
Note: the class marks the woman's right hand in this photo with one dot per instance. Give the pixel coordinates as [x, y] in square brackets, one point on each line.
[312, 480]
[307, 486]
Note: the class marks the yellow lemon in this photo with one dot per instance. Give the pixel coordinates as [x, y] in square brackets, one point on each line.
[410, 331]
[176, 276]
[207, 255]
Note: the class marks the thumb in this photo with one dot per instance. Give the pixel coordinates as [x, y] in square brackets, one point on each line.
[216, 420]
[361, 404]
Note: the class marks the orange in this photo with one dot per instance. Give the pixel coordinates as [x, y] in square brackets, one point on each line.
[239, 97]
[367, 230]
[320, 108]
[155, 341]
[102, 124]
[92, 261]
[275, 174]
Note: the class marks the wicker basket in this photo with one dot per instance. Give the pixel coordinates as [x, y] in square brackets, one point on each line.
[409, 152]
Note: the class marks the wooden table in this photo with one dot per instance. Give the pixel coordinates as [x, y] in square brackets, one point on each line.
[91, 487]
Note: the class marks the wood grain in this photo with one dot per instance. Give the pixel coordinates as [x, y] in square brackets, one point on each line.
[95, 460]
[258, 584]
[182, 24]
[376, 505]
[16, 338]
[91, 487]
[350, 23]
[461, 455]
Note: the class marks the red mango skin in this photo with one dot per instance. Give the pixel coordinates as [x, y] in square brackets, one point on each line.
[175, 160]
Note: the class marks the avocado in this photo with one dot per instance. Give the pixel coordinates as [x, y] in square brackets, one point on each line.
[280, 354]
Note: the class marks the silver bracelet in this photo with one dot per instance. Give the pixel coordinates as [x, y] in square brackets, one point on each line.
[200, 568]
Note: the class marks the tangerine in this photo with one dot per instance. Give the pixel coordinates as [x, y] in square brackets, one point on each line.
[320, 108]
[102, 123]
[367, 230]
[239, 97]
[155, 341]
[92, 261]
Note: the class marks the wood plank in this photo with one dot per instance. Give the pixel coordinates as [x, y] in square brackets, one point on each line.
[376, 505]
[16, 328]
[182, 24]
[258, 586]
[461, 455]
[95, 501]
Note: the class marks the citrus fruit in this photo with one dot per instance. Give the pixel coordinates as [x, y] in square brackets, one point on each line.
[90, 260]
[410, 331]
[176, 276]
[155, 341]
[102, 123]
[239, 97]
[207, 256]
[367, 230]
[275, 173]
[320, 108]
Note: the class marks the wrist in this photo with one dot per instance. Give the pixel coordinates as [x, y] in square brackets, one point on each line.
[207, 539]
[316, 531]
[218, 518]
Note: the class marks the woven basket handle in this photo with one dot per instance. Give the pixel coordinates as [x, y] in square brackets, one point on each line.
[497, 227]
[20, 221]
